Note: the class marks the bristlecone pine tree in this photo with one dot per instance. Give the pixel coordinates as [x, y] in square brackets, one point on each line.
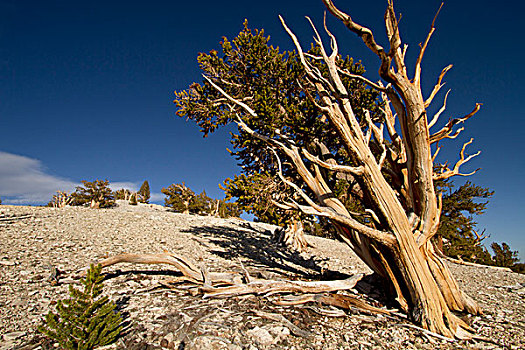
[133, 199]
[87, 319]
[179, 197]
[256, 194]
[144, 194]
[60, 200]
[503, 256]
[457, 228]
[317, 112]
[123, 194]
[182, 199]
[96, 193]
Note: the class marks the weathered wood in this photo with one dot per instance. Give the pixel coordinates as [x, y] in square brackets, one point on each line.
[183, 265]
[346, 302]
[269, 287]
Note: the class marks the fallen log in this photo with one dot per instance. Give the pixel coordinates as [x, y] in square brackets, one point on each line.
[269, 287]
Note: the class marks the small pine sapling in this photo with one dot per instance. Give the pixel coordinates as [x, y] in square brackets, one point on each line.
[144, 192]
[133, 199]
[87, 319]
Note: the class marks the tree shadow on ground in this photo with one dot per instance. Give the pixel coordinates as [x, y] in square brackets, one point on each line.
[262, 251]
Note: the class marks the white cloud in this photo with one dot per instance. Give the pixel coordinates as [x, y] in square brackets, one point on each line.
[23, 180]
[117, 185]
[157, 197]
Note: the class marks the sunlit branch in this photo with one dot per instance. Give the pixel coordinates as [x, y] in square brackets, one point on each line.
[334, 167]
[446, 172]
[441, 110]
[363, 32]
[417, 74]
[438, 86]
[446, 131]
[363, 79]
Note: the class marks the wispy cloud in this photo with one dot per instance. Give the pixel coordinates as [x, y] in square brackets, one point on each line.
[24, 180]
[117, 185]
[157, 197]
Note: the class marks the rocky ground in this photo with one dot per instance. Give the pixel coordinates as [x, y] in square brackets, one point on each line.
[34, 241]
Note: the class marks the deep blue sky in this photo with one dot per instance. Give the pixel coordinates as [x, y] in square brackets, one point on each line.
[86, 89]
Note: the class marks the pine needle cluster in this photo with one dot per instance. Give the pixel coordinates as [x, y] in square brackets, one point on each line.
[87, 319]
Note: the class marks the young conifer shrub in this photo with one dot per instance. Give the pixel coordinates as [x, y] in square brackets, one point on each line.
[144, 192]
[133, 199]
[87, 319]
[97, 194]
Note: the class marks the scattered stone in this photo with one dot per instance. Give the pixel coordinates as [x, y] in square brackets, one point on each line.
[261, 335]
[13, 335]
[72, 238]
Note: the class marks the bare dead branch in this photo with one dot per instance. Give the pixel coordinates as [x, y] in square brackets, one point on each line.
[237, 102]
[441, 110]
[363, 79]
[438, 148]
[438, 86]
[392, 29]
[385, 238]
[183, 265]
[446, 131]
[364, 33]
[334, 167]
[297, 189]
[269, 287]
[417, 74]
[347, 302]
[312, 72]
[446, 172]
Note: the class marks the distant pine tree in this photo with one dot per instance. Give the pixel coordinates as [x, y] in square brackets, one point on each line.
[123, 194]
[503, 256]
[87, 319]
[457, 227]
[133, 199]
[96, 193]
[178, 197]
[144, 194]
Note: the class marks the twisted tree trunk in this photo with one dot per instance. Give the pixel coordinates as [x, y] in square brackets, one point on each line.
[293, 236]
[403, 211]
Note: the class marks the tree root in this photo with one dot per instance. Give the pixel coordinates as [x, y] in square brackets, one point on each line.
[229, 284]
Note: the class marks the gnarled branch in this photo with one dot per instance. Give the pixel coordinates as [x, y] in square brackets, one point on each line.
[438, 86]
[446, 131]
[417, 74]
[446, 172]
[358, 170]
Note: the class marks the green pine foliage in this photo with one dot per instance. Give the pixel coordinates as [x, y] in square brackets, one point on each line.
[144, 193]
[178, 197]
[457, 225]
[503, 256]
[122, 194]
[87, 319]
[226, 209]
[274, 84]
[133, 199]
[254, 195]
[97, 194]
[183, 200]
